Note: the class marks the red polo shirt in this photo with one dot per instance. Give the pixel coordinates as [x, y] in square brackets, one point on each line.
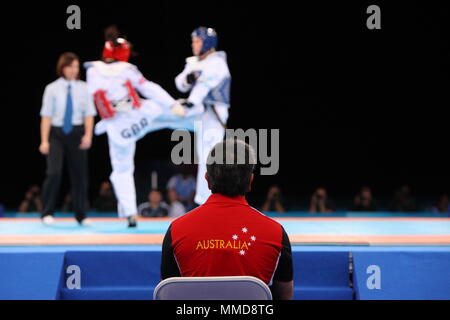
[226, 237]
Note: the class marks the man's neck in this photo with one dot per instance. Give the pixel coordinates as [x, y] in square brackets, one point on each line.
[154, 205]
[68, 81]
[109, 60]
[206, 54]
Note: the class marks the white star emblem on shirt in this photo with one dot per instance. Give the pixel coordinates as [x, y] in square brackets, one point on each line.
[242, 252]
[249, 244]
[234, 237]
[244, 230]
[253, 238]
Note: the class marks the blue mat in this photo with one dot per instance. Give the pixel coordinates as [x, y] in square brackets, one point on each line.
[288, 214]
[419, 275]
[30, 276]
[132, 272]
[320, 227]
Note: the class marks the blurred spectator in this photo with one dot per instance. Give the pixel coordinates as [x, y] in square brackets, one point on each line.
[67, 203]
[184, 186]
[364, 201]
[32, 201]
[443, 205]
[176, 208]
[403, 201]
[155, 207]
[273, 200]
[320, 202]
[106, 201]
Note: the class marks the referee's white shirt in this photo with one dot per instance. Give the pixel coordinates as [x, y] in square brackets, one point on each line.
[55, 100]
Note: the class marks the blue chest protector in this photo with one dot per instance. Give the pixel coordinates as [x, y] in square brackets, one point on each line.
[219, 94]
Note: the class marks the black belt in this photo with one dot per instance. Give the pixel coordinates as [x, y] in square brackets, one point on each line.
[78, 126]
[116, 103]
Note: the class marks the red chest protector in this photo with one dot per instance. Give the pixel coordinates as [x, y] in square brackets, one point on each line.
[105, 107]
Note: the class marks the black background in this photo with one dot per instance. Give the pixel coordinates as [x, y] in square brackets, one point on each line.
[354, 106]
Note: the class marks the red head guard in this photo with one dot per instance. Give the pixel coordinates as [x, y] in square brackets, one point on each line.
[119, 50]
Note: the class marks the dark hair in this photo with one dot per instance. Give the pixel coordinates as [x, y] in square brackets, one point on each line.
[112, 33]
[65, 60]
[230, 165]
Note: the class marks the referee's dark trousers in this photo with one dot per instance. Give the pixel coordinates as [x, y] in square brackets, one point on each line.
[66, 146]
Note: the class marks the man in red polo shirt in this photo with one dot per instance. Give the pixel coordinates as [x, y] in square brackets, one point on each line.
[225, 236]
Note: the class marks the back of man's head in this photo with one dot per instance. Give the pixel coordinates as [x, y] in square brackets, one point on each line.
[230, 166]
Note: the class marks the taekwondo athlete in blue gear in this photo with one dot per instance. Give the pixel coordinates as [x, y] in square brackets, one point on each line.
[207, 79]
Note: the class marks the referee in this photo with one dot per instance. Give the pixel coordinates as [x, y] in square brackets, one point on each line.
[67, 120]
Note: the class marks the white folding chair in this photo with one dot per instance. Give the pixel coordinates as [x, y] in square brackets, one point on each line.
[212, 288]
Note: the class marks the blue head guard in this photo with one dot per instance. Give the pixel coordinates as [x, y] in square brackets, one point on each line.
[208, 36]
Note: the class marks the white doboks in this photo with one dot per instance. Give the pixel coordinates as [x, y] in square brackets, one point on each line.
[211, 88]
[130, 122]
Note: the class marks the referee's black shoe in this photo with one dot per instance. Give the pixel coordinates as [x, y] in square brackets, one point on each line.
[132, 223]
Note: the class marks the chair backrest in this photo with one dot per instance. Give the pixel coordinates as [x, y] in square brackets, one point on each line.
[212, 288]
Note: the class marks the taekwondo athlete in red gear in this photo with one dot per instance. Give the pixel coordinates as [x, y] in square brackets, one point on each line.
[207, 77]
[125, 116]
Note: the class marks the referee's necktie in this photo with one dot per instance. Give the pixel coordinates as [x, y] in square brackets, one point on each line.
[67, 126]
